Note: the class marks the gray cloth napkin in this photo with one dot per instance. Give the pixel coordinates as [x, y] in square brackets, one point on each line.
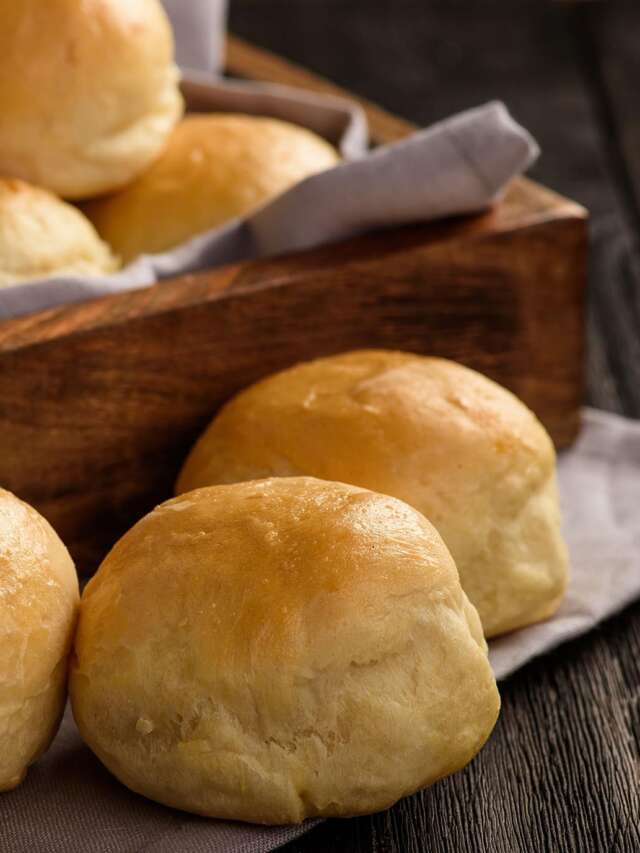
[198, 28]
[70, 804]
[460, 165]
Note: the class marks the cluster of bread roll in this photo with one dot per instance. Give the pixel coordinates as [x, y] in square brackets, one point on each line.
[92, 116]
[299, 633]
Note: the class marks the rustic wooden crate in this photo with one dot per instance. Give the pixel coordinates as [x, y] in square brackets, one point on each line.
[99, 402]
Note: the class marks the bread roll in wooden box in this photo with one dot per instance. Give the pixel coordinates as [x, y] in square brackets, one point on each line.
[99, 402]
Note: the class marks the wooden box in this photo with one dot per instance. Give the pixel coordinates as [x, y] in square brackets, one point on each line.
[99, 402]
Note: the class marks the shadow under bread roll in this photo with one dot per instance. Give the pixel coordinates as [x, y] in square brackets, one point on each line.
[43, 236]
[214, 168]
[282, 649]
[462, 450]
[38, 608]
[88, 91]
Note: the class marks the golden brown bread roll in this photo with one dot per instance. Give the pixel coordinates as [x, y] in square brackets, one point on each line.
[88, 91]
[38, 606]
[274, 650]
[462, 450]
[42, 236]
[214, 168]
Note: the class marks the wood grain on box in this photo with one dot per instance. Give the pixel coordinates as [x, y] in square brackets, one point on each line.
[99, 402]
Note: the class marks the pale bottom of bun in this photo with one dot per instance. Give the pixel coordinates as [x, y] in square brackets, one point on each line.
[206, 765]
[28, 724]
[306, 810]
[520, 575]
[545, 612]
[333, 810]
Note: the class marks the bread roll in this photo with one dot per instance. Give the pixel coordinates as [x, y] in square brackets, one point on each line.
[214, 168]
[274, 650]
[462, 450]
[88, 91]
[38, 606]
[42, 236]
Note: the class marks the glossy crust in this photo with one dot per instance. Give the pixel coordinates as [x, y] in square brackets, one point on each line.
[274, 650]
[214, 168]
[88, 91]
[38, 608]
[42, 236]
[462, 450]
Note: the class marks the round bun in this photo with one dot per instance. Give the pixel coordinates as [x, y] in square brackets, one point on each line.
[38, 606]
[274, 650]
[462, 450]
[42, 236]
[214, 168]
[88, 91]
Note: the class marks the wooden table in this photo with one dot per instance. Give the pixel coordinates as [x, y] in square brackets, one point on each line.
[562, 770]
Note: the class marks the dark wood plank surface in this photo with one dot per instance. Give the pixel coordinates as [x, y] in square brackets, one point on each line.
[562, 772]
[608, 37]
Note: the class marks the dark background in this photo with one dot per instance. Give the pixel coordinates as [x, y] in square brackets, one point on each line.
[562, 770]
